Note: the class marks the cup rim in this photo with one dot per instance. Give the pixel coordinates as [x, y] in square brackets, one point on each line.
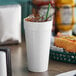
[35, 22]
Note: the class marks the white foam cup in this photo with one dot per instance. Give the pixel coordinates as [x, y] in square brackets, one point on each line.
[37, 36]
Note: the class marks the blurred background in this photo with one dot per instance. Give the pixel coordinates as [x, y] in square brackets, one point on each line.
[64, 13]
[26, 8]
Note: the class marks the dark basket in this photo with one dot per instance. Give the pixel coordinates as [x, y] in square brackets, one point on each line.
[63, 56]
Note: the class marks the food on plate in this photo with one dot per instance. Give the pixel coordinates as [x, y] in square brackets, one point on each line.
[66, 42]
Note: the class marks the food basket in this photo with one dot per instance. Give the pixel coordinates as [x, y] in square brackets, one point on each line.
[63, 56]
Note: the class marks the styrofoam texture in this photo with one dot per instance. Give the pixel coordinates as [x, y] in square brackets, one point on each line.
[38, 36]
[10, 22]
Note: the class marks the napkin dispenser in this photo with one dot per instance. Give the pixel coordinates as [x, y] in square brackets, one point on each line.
[10, 24]
[5, 62]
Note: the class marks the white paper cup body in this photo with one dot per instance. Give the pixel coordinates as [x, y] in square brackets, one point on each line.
[38, 36]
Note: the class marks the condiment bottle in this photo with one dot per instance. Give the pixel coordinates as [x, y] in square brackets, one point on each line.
[64, 16]
[42, 7]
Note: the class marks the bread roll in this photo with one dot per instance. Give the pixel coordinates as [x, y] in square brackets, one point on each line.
[66, 42]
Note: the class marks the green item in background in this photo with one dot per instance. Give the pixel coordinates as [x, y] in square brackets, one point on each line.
[26, 7]
[63, 56]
